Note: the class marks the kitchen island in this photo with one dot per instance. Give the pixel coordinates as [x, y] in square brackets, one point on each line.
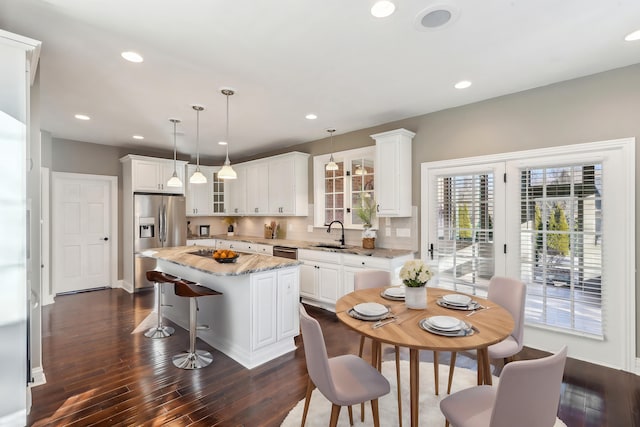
[256, 317]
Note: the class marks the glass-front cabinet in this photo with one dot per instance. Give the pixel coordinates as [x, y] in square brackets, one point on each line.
[339, 194]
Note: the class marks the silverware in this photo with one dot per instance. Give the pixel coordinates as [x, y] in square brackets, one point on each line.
[381, 323]
[477, 310]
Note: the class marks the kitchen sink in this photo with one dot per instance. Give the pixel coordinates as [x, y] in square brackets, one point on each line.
[329, 246]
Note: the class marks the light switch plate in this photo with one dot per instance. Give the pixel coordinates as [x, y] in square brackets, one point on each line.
[387, 231]
[309, 228]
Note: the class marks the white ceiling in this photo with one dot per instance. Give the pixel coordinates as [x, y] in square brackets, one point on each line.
[287, 58]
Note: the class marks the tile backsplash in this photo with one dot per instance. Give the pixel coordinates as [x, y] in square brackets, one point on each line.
[393, 233]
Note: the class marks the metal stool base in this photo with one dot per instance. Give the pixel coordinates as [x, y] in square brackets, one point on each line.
[196, 360]
[159, 332]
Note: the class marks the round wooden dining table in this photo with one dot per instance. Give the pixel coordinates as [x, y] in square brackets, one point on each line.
[491, 324]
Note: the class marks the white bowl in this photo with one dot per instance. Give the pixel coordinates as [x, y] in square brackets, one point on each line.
[371, 309]
[457, 299]
[445, 323]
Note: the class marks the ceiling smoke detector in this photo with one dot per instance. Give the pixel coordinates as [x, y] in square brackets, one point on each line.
[436, 17]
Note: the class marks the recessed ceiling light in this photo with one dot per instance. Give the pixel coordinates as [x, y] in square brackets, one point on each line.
[633, 36]
[222, 143]
[310, 116]
[462, 84]
[82, 117]
[138, 137]
[383, 8]
[132, 56]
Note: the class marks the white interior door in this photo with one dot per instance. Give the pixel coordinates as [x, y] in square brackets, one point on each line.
[82, 231]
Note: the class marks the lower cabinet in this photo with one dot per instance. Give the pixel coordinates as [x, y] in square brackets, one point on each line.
[326, 276]
[320, 278]
[274, 298]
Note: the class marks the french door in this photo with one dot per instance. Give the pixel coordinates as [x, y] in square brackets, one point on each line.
[562, 221]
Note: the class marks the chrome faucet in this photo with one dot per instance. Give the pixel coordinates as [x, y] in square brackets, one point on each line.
[341, 225]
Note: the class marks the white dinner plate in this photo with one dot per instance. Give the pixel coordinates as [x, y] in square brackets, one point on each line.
[457, 299]
[396, 292]
[371, 309]
[445, 323]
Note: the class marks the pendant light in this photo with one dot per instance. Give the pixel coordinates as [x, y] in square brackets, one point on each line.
[227, 171]
[174, 181]
[331, 166]
[198, 177]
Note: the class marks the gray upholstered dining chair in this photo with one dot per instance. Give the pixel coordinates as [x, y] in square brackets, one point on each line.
[510, 294]
[367, 279]
[344, 380]
[527, 395]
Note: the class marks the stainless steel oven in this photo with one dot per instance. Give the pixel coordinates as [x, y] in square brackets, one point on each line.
[285, 252]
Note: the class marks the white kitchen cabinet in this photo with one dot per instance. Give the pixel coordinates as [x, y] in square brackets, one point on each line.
[320, 278]
[354, 263]
[205, 199]
[274, 298]
[288, 184]
[149, 174]
[257, 187]
[288, 300]
[235, 192]
[393, 173]
[264, 313]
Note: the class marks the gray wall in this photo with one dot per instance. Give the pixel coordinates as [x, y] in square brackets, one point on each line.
[594, 108]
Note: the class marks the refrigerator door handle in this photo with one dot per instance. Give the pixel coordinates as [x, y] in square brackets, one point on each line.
[164, 224]
[160, 225]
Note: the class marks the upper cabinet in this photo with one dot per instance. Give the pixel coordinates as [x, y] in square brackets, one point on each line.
[150, 175]
[257, 187]
[235, 192]
[275, 185]
[288, 184]
[205, 199]
[393, 173]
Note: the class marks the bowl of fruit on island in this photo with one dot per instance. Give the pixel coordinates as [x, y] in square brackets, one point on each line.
[225, 255]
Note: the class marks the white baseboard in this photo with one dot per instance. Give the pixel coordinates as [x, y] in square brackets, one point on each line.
[125, 285]
[47, 299]
[637, 366]
[16, 419]
[37, 374]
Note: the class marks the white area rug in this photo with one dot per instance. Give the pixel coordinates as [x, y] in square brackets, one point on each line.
[430, 415]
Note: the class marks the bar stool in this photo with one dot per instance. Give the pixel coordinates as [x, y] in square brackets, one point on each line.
[158, 278]
[192, 359]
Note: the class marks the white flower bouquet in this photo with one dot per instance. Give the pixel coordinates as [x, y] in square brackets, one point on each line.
[415, 273]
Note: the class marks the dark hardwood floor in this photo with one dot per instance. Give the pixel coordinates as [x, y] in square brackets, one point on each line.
[101, 373]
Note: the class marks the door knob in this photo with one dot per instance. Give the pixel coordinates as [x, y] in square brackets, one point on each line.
[105, 239]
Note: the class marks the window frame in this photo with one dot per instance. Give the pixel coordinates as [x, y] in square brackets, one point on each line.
[618, 228]
[347, 157]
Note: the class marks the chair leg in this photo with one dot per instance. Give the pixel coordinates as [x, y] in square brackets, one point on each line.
[307, 398]
[335, 412]
[398, 384]
[446, 423]
[436, 370]
[452, 366]
[360, 354]
[361, 346]
[376, 415]
[350, 415]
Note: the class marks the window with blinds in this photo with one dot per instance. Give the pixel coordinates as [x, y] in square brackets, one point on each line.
[561, 246]
[464, 252]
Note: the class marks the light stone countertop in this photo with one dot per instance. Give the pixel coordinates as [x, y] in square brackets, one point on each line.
[301, 244]
[245, 264]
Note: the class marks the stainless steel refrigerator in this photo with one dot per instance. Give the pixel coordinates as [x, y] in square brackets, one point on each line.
[159, 221]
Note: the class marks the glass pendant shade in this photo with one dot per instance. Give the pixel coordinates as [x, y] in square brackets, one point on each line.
[227, 171]
[174, 181]
[332, 165]
[198, 177]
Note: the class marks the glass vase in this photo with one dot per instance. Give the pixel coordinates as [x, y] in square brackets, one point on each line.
[415, 298]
